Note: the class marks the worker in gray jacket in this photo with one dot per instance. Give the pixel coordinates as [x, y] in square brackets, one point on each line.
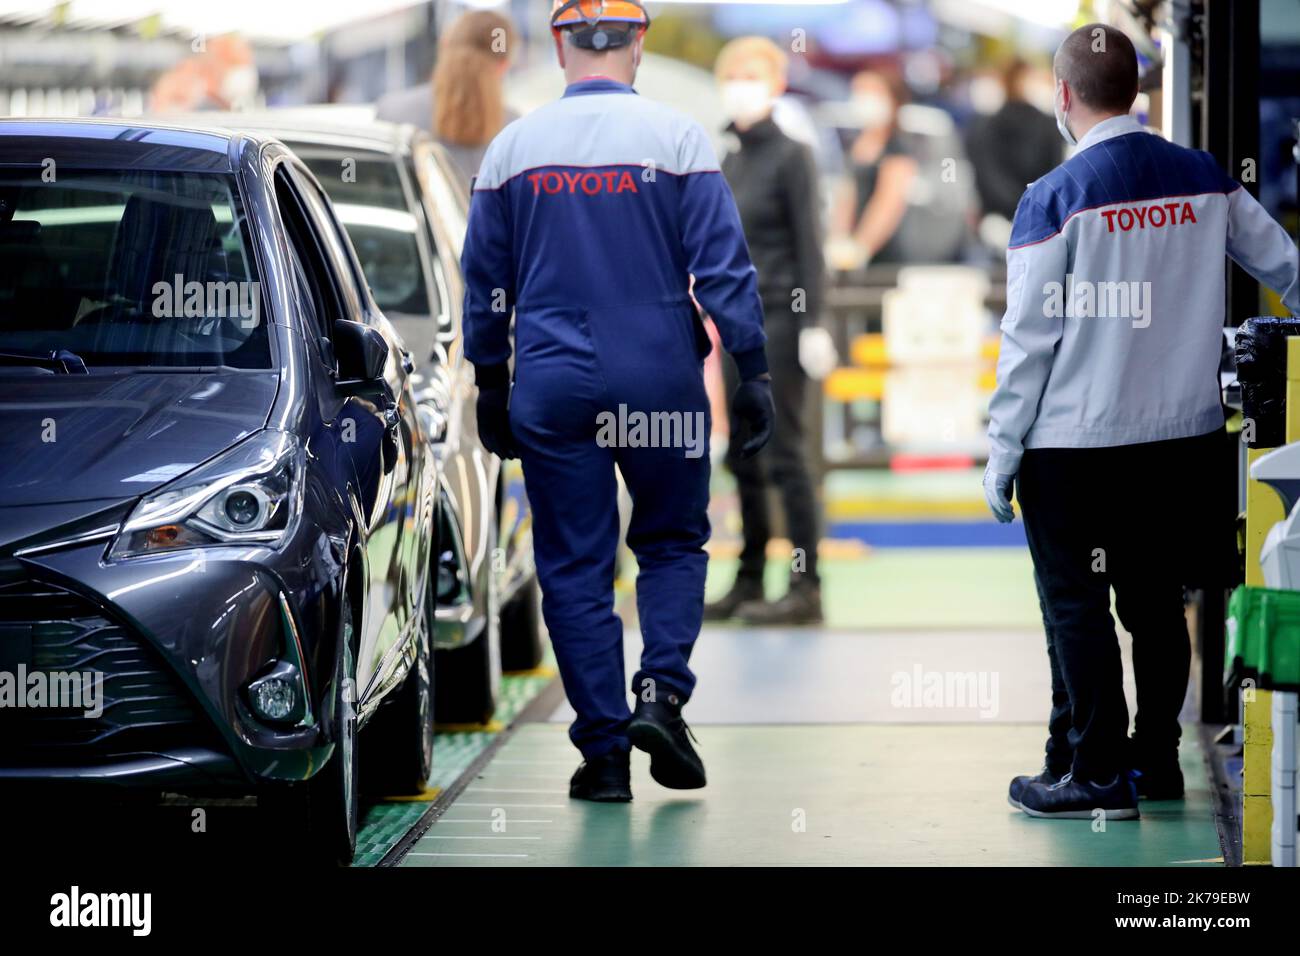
[1107, 409]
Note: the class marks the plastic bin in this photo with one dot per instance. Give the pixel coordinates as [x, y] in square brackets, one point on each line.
[1264, 637]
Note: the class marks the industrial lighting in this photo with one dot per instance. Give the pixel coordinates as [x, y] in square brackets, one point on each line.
[254, 18]
[976, 13]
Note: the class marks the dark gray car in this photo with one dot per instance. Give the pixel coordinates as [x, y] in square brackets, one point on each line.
[218, 505]
[397, 194]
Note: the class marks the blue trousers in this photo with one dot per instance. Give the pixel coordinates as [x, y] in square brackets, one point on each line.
[582, 377]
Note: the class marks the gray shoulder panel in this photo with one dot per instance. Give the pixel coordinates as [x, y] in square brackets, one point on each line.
[598, 130]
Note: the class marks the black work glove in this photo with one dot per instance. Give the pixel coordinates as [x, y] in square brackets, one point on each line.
[493, 410]
[752, 408]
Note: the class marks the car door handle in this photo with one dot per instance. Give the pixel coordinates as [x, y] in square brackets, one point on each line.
[408, 361]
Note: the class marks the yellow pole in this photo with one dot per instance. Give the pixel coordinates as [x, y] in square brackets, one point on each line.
[1263, 510]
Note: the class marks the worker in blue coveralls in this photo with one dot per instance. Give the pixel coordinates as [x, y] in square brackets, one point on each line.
[1107, 416]
[589, 217]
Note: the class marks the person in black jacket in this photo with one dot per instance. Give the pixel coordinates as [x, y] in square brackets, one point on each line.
[774, 180]
[1014, 146]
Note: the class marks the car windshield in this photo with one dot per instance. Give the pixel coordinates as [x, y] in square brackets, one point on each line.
[127, 268]
[371, 203]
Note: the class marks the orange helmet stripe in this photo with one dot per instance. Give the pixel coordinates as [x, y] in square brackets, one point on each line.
[590, 11]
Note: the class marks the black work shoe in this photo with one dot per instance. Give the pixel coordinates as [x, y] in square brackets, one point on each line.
[657, 728]
[604, 779]
[1162, 781]
[743, 591]
[1018, 784]
[1070, 799]
[802, 604]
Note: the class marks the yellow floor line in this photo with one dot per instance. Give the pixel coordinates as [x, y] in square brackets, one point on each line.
[427, 795]
[542, 671]
[919, 509]
[778, 549]
[491, 727]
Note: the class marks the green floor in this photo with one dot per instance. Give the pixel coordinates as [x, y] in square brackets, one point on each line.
[808, 795]
[385, 823]
[802, 773]
[922, 588]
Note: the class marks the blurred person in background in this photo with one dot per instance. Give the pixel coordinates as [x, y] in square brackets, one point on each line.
[464, 103]
[221, 77]
[1015, 144]
[774, 180]
[873, 203]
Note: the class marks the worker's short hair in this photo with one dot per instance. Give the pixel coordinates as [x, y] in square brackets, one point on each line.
[752, 48]
[1100, 66]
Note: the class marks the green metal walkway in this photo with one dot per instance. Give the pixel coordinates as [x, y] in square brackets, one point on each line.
[804, 795]
[822, 747]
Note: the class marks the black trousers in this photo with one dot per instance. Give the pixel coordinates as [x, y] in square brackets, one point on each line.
[1141, 520]
[1059, 749]
[782, 463]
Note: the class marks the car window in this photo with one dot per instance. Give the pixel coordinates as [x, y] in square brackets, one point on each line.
[446, 191]
[324, 299]
[370, 201]
[446, 208]
[125, 268]
[337, 243]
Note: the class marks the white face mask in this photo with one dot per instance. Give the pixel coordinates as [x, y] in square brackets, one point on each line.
[1041, 96]
[1060, 120]
[986, 95]
[871, 110]
[746, 101]
[239, 85]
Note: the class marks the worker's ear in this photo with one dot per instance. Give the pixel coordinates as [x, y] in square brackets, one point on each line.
[638, 47]
[558, 37]
[1066, 96]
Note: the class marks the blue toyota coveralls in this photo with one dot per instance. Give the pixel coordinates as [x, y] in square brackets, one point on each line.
[588, 217]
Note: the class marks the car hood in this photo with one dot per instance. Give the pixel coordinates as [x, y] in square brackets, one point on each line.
[83, 438]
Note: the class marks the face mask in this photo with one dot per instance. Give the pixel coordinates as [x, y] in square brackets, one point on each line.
[986, 95]
[871, 109]
[239, 85]
[1061, 124]
[1042, 97]
[746, 101]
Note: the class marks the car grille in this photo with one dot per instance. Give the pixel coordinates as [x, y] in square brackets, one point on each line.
[145, 706]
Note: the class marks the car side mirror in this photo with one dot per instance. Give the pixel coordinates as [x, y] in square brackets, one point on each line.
[362, 354]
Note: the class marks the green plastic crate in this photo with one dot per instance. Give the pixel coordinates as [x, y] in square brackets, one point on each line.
[1264, 637]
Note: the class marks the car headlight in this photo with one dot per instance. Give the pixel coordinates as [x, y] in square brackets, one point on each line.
[251, 494]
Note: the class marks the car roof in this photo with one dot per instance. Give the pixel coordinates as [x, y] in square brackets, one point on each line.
[123, 143]
[344, 126]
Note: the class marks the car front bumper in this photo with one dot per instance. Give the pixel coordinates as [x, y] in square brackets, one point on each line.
[175, 638]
